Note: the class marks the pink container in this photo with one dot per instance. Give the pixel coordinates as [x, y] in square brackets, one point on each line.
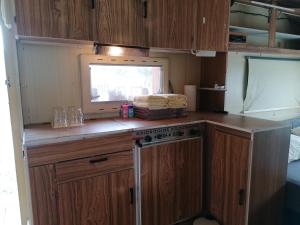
[124, 111]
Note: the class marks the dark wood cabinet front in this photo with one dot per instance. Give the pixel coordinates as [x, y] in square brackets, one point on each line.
[228, 178]
[190, 24]
[102, 200]
[171, 23]
[120, 22]
[212, 25]
[85, 201]
[171, 182]
[68, 19]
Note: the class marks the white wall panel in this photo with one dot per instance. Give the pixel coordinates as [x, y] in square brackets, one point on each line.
[50, 76]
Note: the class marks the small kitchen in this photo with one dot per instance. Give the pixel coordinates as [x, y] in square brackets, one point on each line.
[127, 114]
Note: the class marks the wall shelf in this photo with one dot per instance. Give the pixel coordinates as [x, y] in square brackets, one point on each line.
[264, 33]
[212, 89]
[261, 49]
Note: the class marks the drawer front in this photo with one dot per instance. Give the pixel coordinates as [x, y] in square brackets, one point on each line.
[61, 152]
[91, 166]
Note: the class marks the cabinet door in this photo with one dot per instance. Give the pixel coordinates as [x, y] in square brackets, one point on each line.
[172, 23]
[42, 186]
[212, 25]
[171, 182]
[189, 175]
[119, 22]
[85, 201]
[101, 200]
[54, 18]
[228, 178]
[122, 192]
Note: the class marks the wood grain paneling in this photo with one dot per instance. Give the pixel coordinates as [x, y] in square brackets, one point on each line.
[122, 192]
[40, 17]
[212, 25]
[171, 23]
[79, 149]
[78, 20]
[228, 163]
[85, 202]
[43, 189]
[119, 22]
[79, 168]
[54, 18]
[213, 71]
[171, 182]
[189, 178]
[268, 179]
[158, 185]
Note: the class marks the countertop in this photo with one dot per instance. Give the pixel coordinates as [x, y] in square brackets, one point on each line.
[37, 135]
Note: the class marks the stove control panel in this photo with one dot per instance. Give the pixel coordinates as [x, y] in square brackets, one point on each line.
[165, 134]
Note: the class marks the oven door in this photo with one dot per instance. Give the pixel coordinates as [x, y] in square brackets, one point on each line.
[169, 179]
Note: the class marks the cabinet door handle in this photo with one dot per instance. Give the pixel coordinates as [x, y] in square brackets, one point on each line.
[93, 4]
[94, 161]
[145, 3]
[131, 190]
[242, 197]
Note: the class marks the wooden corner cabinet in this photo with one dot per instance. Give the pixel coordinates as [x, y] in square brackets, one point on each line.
[228, 170]
[246, 175]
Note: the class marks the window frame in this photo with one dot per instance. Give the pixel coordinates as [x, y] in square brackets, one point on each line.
[90, 107]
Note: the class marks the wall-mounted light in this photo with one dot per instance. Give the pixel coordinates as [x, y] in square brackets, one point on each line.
[115, 51]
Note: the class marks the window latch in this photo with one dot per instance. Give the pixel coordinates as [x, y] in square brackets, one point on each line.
[7, 83]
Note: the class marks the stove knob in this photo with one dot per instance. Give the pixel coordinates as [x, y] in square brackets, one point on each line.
[159, 136]
[148, 138]
[194, 131]
[180, 133]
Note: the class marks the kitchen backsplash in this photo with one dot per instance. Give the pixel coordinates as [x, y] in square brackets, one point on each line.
[50, 76]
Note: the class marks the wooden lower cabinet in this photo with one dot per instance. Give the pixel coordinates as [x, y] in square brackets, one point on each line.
[228, 178]
[104, 199]
[100, 200]
[171, 182]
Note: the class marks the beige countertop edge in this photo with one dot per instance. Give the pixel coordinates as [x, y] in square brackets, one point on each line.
[57, 140]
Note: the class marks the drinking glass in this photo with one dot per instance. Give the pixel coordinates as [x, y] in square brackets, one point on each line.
[59, 117]
[75, 116]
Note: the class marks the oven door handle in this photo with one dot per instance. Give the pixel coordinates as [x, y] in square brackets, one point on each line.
[138, 144]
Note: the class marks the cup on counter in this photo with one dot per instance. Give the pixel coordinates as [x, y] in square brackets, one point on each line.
[71, 117]
[75, 116]
[60, 119]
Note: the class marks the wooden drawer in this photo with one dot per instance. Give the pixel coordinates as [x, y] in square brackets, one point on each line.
[91, 166]
[61, 152]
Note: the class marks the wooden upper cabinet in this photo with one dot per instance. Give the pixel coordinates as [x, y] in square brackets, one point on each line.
[78, 21]
[54, 18]
[171, 23]
[228, 178]
[212, 23]
[119, 22]
[190, 24]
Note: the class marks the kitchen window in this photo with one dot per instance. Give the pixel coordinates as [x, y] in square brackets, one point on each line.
[108, 82]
